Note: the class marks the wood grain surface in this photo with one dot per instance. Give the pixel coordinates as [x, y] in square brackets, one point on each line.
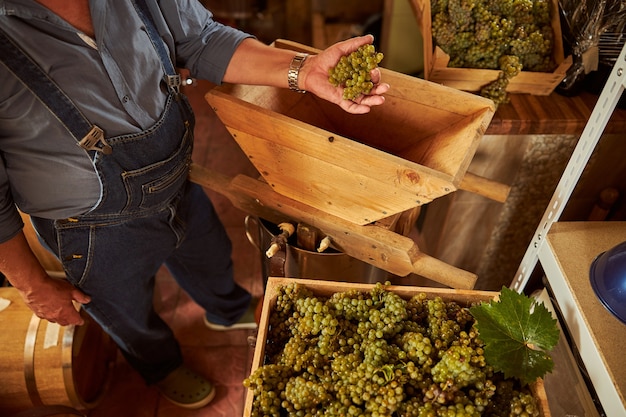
[553, 114]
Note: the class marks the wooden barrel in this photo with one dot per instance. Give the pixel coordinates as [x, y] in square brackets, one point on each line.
[43, 363]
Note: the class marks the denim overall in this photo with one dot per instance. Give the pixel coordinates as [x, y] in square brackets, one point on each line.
[149, 214]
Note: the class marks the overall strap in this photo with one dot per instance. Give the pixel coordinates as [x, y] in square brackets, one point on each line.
[88, 135]
[172, 78]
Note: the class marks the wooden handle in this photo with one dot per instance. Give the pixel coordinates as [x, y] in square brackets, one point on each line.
[446, 274]
[485, 187]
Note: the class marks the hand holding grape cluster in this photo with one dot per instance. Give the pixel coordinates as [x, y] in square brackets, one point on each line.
[352, 72]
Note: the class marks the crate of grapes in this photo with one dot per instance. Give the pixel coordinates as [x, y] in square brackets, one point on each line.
[484, 38]
[360, 168]
[368, 349]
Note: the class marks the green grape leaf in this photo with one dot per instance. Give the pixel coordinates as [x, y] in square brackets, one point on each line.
[518, 334]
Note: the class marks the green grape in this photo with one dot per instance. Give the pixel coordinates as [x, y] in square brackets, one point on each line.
[460, 12]
[437, 6]
[304, 393]
[352, 72]
[523, 404]
[496, 90]
[441, 329]
[510, 399]
[477, 33]
[444, 30]
[417, 347]
[267, 382]
[461, 366]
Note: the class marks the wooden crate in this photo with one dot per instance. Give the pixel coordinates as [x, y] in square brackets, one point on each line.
[472, 79]
[360, 168]
[327, 288]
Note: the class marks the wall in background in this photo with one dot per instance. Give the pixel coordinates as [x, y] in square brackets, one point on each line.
[402, 41]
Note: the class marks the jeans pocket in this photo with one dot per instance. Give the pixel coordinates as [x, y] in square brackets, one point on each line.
[158, 183]
[75, 250]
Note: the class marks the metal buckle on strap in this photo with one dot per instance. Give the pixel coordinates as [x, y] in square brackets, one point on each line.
[174, 82]
[94, 141]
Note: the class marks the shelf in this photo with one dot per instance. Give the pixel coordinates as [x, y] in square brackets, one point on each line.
[550, 115]
[599, 336]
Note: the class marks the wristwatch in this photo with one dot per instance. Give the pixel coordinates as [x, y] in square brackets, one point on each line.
[294, 71]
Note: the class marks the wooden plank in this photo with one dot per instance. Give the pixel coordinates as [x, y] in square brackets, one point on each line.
[421, 10]
[553, 114]
[374, 245]
[473, 79]
[326, 170]
[443, 153]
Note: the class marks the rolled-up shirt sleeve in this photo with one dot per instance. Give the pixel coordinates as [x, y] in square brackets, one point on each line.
[202, 45]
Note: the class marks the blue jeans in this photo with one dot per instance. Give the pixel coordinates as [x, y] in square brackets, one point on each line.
[119, 259]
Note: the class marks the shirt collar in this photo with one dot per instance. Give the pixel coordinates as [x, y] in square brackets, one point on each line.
[23, 9]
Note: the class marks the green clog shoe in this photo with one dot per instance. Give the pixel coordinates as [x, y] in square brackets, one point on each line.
[187, 389]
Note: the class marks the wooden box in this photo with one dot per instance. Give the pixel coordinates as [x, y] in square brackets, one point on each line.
[472, 79]
[361, 168]
[327, 288]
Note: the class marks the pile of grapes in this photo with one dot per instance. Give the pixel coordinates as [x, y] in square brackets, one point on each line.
[353, 71]
[478, 33]
[376, 354]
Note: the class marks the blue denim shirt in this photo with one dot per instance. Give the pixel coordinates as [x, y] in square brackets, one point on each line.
[114, 79]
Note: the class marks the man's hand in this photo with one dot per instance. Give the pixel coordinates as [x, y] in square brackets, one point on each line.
[314, 77]
[49, 298]
[52, 299]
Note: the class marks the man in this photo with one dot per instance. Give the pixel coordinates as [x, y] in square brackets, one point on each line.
[96, 142]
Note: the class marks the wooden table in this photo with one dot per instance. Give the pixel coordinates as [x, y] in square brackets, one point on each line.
[553, 114]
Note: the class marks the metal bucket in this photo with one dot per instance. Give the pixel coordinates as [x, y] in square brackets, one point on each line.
[329, 265]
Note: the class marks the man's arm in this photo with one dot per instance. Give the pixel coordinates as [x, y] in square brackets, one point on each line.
[258, 64]
[49, 298]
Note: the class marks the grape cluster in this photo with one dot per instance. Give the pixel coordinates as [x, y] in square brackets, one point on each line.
[477, 33]
[496, 90]
[511, 402]
[376, 354]
[352, 72]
